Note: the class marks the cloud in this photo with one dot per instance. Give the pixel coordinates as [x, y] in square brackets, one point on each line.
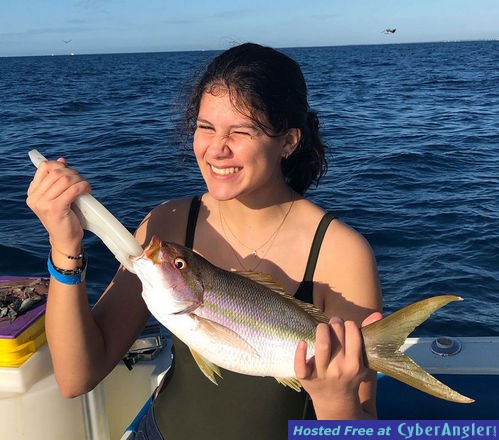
[45, 31]
[221, 15]
[324, 17]
[180, 21]
[91, 4]
[234, 13]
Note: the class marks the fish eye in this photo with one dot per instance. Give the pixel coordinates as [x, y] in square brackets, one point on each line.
[180, 263]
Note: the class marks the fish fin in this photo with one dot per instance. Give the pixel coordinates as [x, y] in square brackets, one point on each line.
[218, 333]
[208, 368]
[312, 310]
[187, 307]
[266, 280]
[290, 382]
[383, 339]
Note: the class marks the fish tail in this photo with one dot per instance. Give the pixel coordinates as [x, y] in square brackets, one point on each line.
[383, 339]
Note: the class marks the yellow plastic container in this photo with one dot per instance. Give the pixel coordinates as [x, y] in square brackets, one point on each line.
[15, 351]
[21, 337]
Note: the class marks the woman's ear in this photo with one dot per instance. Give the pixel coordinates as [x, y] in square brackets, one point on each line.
[291, 140]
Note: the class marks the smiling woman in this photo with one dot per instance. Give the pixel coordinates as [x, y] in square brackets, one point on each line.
[267, 95]
[258, 147]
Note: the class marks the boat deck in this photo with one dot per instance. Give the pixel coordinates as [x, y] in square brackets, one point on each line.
[472, 371]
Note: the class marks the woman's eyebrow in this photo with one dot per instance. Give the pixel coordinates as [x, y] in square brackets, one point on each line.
[248, 125]
[204, 121]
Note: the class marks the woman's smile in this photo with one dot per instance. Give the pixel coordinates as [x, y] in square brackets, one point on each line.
[224, 171]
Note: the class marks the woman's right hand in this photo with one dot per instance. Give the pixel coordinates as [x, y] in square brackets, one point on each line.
[50, 195]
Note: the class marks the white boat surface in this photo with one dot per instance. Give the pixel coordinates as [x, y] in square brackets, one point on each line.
[32, 404]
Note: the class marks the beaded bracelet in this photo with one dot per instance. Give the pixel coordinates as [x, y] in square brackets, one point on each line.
[67, 276]
[69, 257]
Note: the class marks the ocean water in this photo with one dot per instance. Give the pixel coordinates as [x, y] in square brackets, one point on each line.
[413, 135]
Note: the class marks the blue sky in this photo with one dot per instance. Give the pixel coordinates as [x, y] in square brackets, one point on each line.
[39, 27]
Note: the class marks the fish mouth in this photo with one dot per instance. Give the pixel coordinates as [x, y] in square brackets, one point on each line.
[224, 171]
[152, 252]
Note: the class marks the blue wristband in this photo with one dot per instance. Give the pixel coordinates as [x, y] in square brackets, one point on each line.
[76, 276]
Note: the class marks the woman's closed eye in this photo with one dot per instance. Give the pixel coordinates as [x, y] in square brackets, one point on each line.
[241, 133]
[204, 127]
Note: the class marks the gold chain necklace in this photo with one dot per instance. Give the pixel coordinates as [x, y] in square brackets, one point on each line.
[254, 251]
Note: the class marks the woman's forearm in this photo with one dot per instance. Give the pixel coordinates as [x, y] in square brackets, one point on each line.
[76, 343]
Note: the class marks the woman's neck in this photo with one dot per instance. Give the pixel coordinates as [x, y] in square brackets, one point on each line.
[254, 209]
[252, 229]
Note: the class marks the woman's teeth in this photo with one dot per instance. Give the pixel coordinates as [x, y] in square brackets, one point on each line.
[225, 171]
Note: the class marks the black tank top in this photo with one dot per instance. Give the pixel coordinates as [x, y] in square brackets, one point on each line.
[240, 407]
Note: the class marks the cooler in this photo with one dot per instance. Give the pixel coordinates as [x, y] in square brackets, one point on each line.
[20, 339]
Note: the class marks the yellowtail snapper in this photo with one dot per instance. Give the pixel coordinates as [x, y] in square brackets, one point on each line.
[244, 322]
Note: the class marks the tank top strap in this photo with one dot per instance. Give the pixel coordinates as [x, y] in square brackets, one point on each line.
[192, 220]
[316, 246]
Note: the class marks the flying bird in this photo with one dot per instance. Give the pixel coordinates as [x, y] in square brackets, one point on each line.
[389, 31]
[67, 41]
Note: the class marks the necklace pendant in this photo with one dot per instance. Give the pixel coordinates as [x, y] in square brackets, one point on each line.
[254, 253]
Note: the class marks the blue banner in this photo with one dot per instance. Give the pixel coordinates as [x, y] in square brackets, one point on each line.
[393, 429]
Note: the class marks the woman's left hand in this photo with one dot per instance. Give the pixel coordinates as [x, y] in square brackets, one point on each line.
[335, 372]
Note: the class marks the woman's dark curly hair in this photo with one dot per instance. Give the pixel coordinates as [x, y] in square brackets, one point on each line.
[271, 85]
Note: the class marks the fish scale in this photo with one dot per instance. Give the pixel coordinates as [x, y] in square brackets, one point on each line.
[248, 314]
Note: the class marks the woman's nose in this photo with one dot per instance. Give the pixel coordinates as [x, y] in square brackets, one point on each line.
[220, 145]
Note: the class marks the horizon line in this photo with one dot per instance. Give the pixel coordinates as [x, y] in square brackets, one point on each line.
[275, 47]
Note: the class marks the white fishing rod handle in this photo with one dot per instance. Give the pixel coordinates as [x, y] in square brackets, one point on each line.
[96, 218]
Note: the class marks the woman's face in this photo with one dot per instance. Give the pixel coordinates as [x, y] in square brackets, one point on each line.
[234, 155]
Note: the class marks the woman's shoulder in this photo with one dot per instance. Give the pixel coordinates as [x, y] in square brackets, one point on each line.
[344, 249]
[173, 208]
[337, 236]
[344, 238]
[347, 265]
[168, 221]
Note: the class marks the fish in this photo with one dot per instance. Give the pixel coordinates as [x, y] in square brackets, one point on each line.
[246, 323]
